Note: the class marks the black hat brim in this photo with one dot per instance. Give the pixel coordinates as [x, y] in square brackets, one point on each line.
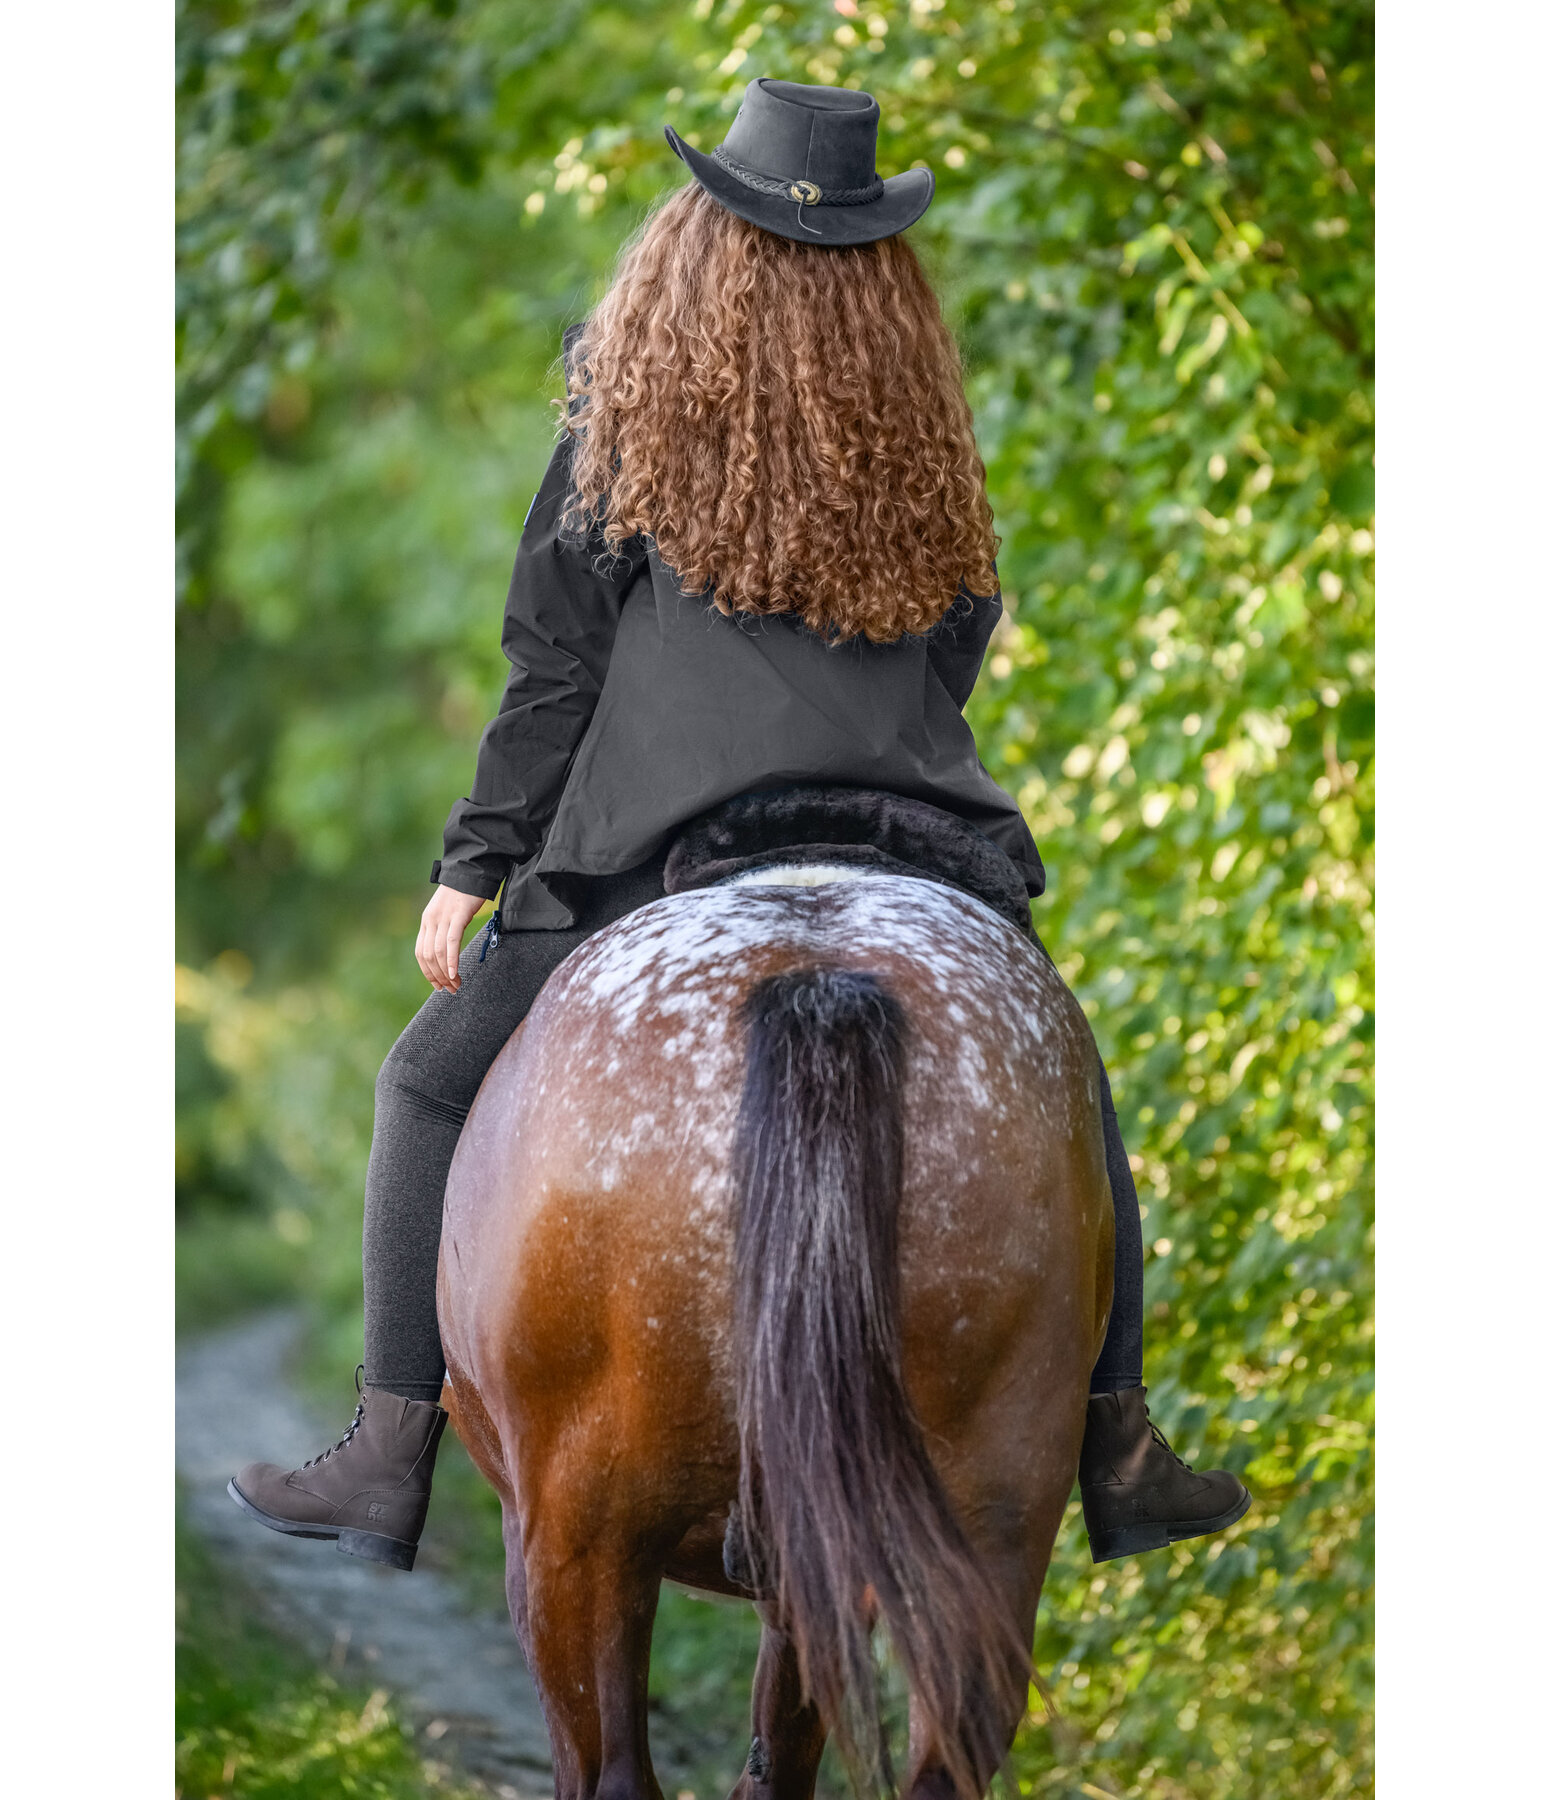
[903, 199]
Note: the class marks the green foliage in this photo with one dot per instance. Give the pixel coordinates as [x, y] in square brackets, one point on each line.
[1154, 234]
[702, 1664]
[256, 1722]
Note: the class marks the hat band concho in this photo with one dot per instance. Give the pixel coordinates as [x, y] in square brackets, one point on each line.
[805, 193]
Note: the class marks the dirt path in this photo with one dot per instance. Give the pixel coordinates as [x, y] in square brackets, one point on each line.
[459, 1678]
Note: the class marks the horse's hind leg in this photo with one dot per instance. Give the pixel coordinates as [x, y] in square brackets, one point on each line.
[929, 1779]
[788, 1734]
[589, 1611]
[1012, 1516]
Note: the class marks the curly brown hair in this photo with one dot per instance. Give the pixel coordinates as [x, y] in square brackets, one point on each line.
[787, 423]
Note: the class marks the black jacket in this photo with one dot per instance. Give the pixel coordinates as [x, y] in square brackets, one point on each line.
[632, 707]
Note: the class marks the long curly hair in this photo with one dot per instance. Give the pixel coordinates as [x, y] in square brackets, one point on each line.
[786, 423]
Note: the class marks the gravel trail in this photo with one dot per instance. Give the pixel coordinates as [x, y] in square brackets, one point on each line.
[459, 1678]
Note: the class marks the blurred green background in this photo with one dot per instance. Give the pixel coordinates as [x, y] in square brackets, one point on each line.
[1153, 235]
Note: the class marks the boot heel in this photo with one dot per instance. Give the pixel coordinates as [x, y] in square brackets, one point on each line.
[372, 1546]
[1122, 1540]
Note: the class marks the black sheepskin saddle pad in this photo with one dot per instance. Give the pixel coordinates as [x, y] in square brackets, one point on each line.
[779, 828]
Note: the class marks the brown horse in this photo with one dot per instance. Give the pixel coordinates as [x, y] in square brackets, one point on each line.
[777, 1253]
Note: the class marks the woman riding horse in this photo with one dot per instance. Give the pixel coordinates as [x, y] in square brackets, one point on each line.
[762, 557]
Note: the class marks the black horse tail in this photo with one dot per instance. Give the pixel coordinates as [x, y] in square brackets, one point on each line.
[837, 1493]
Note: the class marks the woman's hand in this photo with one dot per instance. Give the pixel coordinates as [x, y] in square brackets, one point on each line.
[442, 925]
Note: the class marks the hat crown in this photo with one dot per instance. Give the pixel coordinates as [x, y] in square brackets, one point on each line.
[792, 132]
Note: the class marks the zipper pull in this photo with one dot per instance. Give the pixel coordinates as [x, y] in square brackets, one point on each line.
[492, 934]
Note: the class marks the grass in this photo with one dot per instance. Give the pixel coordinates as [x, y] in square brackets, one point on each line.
[257, 1721]
[702, 1662]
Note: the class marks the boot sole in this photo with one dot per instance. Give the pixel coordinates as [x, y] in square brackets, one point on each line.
[370, 1546]
[1131, 1540]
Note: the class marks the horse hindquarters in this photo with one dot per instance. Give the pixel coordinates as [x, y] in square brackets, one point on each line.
[838, 1492]
[590, 1301]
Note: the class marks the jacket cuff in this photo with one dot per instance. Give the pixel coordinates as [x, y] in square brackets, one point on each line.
[464, 879]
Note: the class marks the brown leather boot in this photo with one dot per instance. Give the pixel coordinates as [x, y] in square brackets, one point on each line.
[370, 1491]
[1136, 1493]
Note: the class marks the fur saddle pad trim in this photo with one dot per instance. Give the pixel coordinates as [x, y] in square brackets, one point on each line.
[796, 826]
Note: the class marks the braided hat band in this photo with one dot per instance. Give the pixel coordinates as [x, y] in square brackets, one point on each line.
[805, 193]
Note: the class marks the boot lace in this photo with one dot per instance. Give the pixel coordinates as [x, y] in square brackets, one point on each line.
[354, 1425]
[1158, 1438]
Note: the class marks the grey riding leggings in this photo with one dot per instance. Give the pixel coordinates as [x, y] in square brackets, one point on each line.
[424, 1093]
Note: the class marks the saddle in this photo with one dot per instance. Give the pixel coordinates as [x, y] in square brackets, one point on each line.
[779, 827]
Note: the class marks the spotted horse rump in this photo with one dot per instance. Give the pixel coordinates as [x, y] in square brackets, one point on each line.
[789, 1189]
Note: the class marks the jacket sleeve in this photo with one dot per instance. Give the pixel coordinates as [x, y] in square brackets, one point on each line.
[562, 613]
[955, 646]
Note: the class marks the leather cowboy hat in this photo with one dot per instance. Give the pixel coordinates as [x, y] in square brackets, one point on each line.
[802, 162]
